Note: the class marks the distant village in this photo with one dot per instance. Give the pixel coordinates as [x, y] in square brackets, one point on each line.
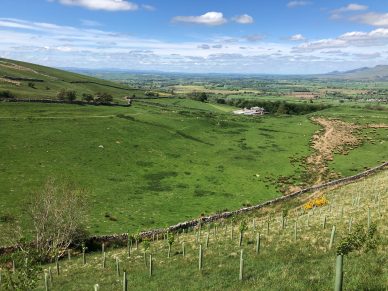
[250, 111]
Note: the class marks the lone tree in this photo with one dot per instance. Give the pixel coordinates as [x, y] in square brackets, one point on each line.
[57, 213]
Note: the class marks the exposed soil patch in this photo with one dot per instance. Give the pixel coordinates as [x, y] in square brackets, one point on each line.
[336, 137]
[9, 81]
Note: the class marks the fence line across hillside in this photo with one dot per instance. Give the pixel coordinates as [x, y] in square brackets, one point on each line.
[121, 239]
[52, 101]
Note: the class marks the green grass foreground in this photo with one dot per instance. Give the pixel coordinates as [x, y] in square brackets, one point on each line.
[284, 261]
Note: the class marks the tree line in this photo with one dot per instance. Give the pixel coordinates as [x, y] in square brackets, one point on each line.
[275, 107]
[71, 96]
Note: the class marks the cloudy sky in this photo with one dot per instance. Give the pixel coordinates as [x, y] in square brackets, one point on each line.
[229, 36]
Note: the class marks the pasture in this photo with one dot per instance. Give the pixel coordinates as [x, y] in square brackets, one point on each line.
[149, 166]
[145, 166]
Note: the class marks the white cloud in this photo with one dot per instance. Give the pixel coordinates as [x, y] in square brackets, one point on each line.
[204, 46]
[293, 4]
[108, 5]
[243, 19]
[209, 18]
[148, 7]
[374, 19]
[353, 7]
[377, 37]
[297, 37]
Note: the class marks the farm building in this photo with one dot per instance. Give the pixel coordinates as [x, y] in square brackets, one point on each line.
[250, 111]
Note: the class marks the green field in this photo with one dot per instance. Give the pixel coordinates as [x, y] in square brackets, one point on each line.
[287, 260]
[157, 166]
[148, 166]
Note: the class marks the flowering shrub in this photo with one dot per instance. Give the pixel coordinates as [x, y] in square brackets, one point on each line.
[316, 202]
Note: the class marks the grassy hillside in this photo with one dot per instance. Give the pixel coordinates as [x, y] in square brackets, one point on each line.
[149, 166]
[27, 80]
[294, 257]
[146, 166]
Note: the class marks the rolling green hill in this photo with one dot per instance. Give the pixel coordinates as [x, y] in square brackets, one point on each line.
[32, 81]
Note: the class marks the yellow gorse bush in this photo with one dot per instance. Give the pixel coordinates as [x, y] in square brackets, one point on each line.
[316, 202]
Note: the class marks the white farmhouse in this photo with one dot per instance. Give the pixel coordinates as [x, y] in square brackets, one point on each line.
[250, 111]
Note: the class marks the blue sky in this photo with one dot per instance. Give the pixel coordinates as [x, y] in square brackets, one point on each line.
[230, 36]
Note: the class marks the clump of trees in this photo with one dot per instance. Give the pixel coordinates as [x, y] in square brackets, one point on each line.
[6, 94]
[151, 94]
[71, 96]
[67, 95]
[100, 97]
[198, 96]
[278, 107]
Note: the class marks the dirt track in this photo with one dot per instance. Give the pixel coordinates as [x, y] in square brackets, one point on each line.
[337, 136]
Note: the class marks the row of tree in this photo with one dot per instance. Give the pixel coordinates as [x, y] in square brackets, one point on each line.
[71, 96]
[276, 107]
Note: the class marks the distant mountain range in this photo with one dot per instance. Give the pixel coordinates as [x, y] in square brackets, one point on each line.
[378, 73]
